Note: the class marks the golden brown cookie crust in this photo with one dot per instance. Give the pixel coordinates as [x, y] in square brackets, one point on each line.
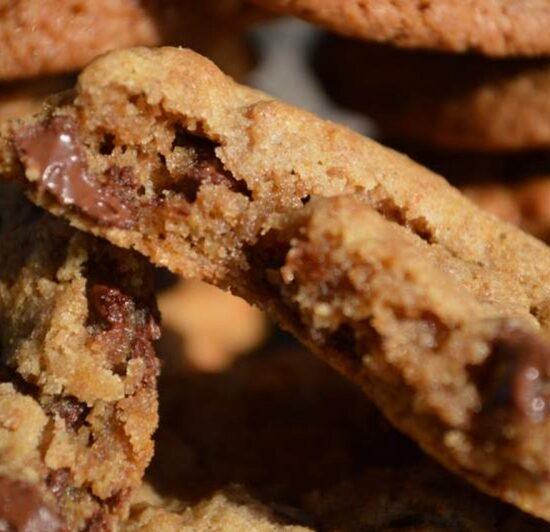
[222, 164]
[492, 27]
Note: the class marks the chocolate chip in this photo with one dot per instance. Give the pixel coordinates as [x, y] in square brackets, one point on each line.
[71, 410]
[54, 149]
[58, 481]
[206, 169]
[23, 509]
[517, 377]
[109, 304]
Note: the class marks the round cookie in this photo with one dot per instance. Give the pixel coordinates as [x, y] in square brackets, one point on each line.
[492, 27]
[43, 37]
[452, 102]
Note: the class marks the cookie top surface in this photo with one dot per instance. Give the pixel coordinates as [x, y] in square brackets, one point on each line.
[492, 27]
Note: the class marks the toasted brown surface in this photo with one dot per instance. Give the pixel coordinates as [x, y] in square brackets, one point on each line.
[193, 170]
[42, 37]
[492, 27]
[454, 102]
[78, 373]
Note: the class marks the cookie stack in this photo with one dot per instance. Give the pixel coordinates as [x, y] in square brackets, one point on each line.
[438, 311]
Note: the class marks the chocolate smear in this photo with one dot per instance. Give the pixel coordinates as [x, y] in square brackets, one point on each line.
[518, 376]
[53, 148]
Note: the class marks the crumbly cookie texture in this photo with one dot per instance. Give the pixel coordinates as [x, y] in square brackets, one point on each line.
[492, 27]
[193, 170]
[78, 373]
[472, 102]
[42, 37]
[214, 327]
[230, 510]
[524, 204]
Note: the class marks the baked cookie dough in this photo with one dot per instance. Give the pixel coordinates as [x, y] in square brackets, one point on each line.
[196, 172]
[78, 398]
[491, 27]
[462, 102]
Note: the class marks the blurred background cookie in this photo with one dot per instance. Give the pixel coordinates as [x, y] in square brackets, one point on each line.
[209, 327]
[43, 37]
[27, 97]
[455, 102]
[502, 27]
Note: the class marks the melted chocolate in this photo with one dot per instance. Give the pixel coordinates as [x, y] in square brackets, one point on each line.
[22, 509]
[54, 149]
[519, 376]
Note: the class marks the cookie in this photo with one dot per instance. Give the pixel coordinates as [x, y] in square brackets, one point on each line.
[496, 28]
[211, 328]
[192, 170]
[40, 38]
[525, 204]
[77, 376]
[451, 102]
[229, 510]
[300, 438]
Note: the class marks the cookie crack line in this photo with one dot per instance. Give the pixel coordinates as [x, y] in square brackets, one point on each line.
[373, 261]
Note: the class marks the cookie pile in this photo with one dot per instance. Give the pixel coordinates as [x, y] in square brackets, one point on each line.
[436, 310]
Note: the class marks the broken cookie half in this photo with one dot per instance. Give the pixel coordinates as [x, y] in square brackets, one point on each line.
[78, 398]
[443, 322]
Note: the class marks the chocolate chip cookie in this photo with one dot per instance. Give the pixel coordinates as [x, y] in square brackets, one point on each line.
[197, 173]
[435, 99]
[492, 27]
[77, 373]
